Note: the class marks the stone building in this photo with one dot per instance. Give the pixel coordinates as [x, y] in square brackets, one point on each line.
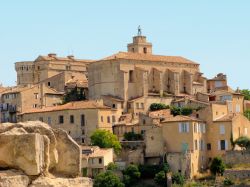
[45, 67]
[80, 119]
[95, 160]
[15, 100]
[139, 73]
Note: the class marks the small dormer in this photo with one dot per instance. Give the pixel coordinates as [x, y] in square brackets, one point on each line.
[140, 44]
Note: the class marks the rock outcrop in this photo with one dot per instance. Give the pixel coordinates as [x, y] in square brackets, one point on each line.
[41, 153]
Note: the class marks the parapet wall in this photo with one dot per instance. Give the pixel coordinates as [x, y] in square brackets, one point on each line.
[237, 157]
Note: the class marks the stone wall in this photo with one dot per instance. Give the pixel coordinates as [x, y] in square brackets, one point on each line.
[238, 174]
[237, 157]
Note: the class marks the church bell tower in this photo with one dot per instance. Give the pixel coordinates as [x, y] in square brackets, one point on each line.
[140, 44]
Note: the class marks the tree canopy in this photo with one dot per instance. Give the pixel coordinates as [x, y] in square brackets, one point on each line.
[105, 139]
[74, 95]
[107, 179]
[131, 175]
[247, 113]
[243, 142]
[131, 136]
[217, 166]
[158, 106]
[246, 93]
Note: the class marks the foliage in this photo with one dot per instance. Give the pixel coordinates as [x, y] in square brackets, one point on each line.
[131, 136]
[74, 95]
[105, 139]
[243, 142]
[131, 175]
[228, 182]
[246, 94]
[217, 166]
[107, 179]
[181, 111]
[247, 113]
[158, 106]
[232, 141]
[112, 166]
[149, 171]
[160, 178]
[178, 178]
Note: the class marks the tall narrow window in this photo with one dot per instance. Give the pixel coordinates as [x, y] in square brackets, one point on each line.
[72, 120]
[61, 119]
[82, 120]
[145, 50]
[131, 76]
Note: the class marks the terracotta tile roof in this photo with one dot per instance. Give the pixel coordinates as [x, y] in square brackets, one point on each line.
[113, 98]
[149, 57]
[16, 89]
[72, 83]
[56, 58]
[228, 117]
[160, 113]
[95, 151]
[180, 118]
[91, 104]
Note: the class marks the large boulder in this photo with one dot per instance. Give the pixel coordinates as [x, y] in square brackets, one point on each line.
[36, 148]
[13, 178]
[62, 182]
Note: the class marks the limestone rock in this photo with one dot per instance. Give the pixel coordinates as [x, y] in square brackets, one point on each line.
[13, 178]
[62, 182]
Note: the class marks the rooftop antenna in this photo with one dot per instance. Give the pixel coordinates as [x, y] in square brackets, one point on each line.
[139, 31]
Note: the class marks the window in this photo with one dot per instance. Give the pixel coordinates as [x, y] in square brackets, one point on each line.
[196, 145]
[218, 84]
[237, 108]
[144, 121]
[35, 106]
[83, 140]
[209, 146]
[49, 120]
[83, 132]
[71, 119]
[145, 50]
[41, 119]
[184, 147]
[222, 129]
[131, 76]
[48, 83]
[61, 119]
[137, 105]
[36, 95]
[184, 127]
[133, 50]
[201, 145]
[101, 118]
[108, 119]
[100, 160]
[82, 120]
[195, 127]
[113, 106]
[113, 119]
[222, 145]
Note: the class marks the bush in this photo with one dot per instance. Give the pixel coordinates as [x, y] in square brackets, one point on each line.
[131, 175]
[247, 114]
[131, 136]
[160, 178]
[149, 171]
[186, 111]
[217, 166]
[158, 106]
[181, 111]
[112, 166]
[243, 142]
[107, 179]
[228, 182]
[178, 178]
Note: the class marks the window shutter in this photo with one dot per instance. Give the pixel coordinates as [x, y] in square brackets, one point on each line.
[226, 145]
[180, 127]
[204, 128]
[187, 127]
[219, 145]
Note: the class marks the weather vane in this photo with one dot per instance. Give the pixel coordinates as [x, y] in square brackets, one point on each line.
[139, 30]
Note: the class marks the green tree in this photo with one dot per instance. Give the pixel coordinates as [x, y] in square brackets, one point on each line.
[217, 166]
[112, 166]
[181, 111]
[158, 106]
[246, 94]
[131, 136]
[247, 113]
[243, 142]
[106, 139]
[160, 178]
[107, 179]
[131, 175]
[74, 95]
[178, 178]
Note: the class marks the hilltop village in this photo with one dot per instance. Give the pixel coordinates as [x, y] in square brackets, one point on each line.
[161, 108]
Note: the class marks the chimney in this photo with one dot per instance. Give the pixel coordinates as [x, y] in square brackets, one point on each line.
[52, 54]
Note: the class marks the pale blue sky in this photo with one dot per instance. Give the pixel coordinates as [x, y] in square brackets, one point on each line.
[214, 33]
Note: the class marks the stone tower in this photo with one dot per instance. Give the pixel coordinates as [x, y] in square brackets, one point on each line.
[140, 44]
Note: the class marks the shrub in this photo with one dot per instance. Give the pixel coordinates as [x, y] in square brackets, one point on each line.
[149, 171]
[217, 166]
[228, 182]
[186, 111]
[131, 136]
[181, 111]
[178, 178]
[112, 166]
[131, 175]
[243, 142]
[158, 106]
[107, 179]
[160, 178]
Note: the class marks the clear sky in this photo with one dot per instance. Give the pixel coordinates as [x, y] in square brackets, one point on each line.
[214, 33]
